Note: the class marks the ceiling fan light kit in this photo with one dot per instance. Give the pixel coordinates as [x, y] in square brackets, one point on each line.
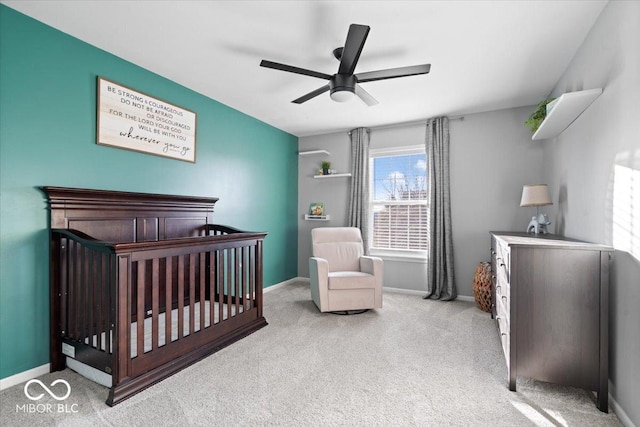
[345, 84]
[342, 87]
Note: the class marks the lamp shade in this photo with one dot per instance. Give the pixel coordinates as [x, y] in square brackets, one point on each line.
[535, 195]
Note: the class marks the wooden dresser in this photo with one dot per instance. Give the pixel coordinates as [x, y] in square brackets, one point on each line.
[550, 299]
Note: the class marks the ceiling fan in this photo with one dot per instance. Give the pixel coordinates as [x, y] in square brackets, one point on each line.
[344, 84]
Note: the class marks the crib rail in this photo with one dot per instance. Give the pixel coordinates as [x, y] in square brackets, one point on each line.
[129, 309]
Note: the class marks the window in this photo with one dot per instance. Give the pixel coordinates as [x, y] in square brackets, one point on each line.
[399, 201]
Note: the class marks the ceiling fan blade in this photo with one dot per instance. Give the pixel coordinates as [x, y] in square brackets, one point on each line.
[393, 73]
[292, 69]
[352, 48]
[365, 96]
[310, 95]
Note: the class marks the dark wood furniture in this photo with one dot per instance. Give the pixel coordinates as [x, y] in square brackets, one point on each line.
[143, 285]
[550, 298]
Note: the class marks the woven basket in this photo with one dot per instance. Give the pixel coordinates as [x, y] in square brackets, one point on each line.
[482, 286]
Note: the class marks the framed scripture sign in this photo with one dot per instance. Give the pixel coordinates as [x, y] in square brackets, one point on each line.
[135, 121]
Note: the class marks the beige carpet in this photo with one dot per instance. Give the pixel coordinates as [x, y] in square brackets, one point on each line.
[413, 363]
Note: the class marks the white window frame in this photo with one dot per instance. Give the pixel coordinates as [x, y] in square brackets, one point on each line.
[392, 254]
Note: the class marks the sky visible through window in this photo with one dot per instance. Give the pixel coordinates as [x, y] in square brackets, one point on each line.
[395, 177]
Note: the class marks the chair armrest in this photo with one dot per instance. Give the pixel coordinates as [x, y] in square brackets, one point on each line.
[319, 281]
[371, 265]
[374, 266]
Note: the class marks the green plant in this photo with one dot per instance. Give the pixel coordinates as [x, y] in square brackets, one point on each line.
[326, 165]
[536, 118]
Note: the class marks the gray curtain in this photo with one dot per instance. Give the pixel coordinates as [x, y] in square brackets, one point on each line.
[359, 195]
[440, 277]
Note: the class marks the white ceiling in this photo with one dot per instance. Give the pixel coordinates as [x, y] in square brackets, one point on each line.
[484, 55]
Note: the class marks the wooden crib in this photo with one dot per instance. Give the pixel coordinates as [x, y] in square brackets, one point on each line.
[144, 285]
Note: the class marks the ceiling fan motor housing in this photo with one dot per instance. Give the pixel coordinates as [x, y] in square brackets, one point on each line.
[342, 83]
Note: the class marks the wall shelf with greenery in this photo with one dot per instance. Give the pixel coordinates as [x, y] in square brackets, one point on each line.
[313, 153]
[565, 110]
[333, 175]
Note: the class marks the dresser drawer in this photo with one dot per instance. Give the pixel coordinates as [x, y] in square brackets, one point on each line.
[503, 330]
[503, 298]
[503, 260]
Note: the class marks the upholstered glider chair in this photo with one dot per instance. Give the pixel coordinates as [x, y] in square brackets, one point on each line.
[343, 279]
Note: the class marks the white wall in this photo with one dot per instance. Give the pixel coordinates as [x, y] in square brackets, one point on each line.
[333, 192]
[595, 201]
[492, 156]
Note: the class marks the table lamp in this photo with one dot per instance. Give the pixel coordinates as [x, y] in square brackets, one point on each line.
[536, 195]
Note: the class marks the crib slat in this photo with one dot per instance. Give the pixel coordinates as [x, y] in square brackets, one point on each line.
[89, 284]
[212, 286]
[79, 299]
[180, 297]
[202, 288]
[168, 302]
[122, 300]
[110, 295]
[236, 277]
[229, 282]
[64, 286]
[243, 282]
[99, 303]
[252, 272]
[86, 295]
[155, 302]
[258, 277]
[220, 283]
[104, 325]
[140, 308]
[192, 292]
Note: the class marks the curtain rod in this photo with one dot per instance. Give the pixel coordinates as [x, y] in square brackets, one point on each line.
[416, 122]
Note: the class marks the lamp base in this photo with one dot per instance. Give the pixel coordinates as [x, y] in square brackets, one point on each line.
[538, 224]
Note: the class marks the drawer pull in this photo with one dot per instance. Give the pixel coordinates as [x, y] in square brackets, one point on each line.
[504, 297]
[503, 333]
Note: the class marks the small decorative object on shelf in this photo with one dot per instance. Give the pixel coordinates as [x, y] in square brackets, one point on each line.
[326, 168]
[316, 212]
[316, 209]
[482, 286]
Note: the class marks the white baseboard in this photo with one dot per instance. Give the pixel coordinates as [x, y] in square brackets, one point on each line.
[285, 283]
[620, 413]
[25, 376]
[404, 291]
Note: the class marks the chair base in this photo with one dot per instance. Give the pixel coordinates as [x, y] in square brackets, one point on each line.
[349, 312]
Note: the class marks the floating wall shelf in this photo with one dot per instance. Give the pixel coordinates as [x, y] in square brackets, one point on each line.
[313, 153]
[333, 175]
[567, 108]
[317, 217]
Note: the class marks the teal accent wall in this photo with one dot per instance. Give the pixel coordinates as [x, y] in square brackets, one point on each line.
[47, 137]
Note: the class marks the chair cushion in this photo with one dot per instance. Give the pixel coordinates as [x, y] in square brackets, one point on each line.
[351, 280]
[343, 256]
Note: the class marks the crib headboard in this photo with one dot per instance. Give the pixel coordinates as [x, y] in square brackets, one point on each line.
[118, 217]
